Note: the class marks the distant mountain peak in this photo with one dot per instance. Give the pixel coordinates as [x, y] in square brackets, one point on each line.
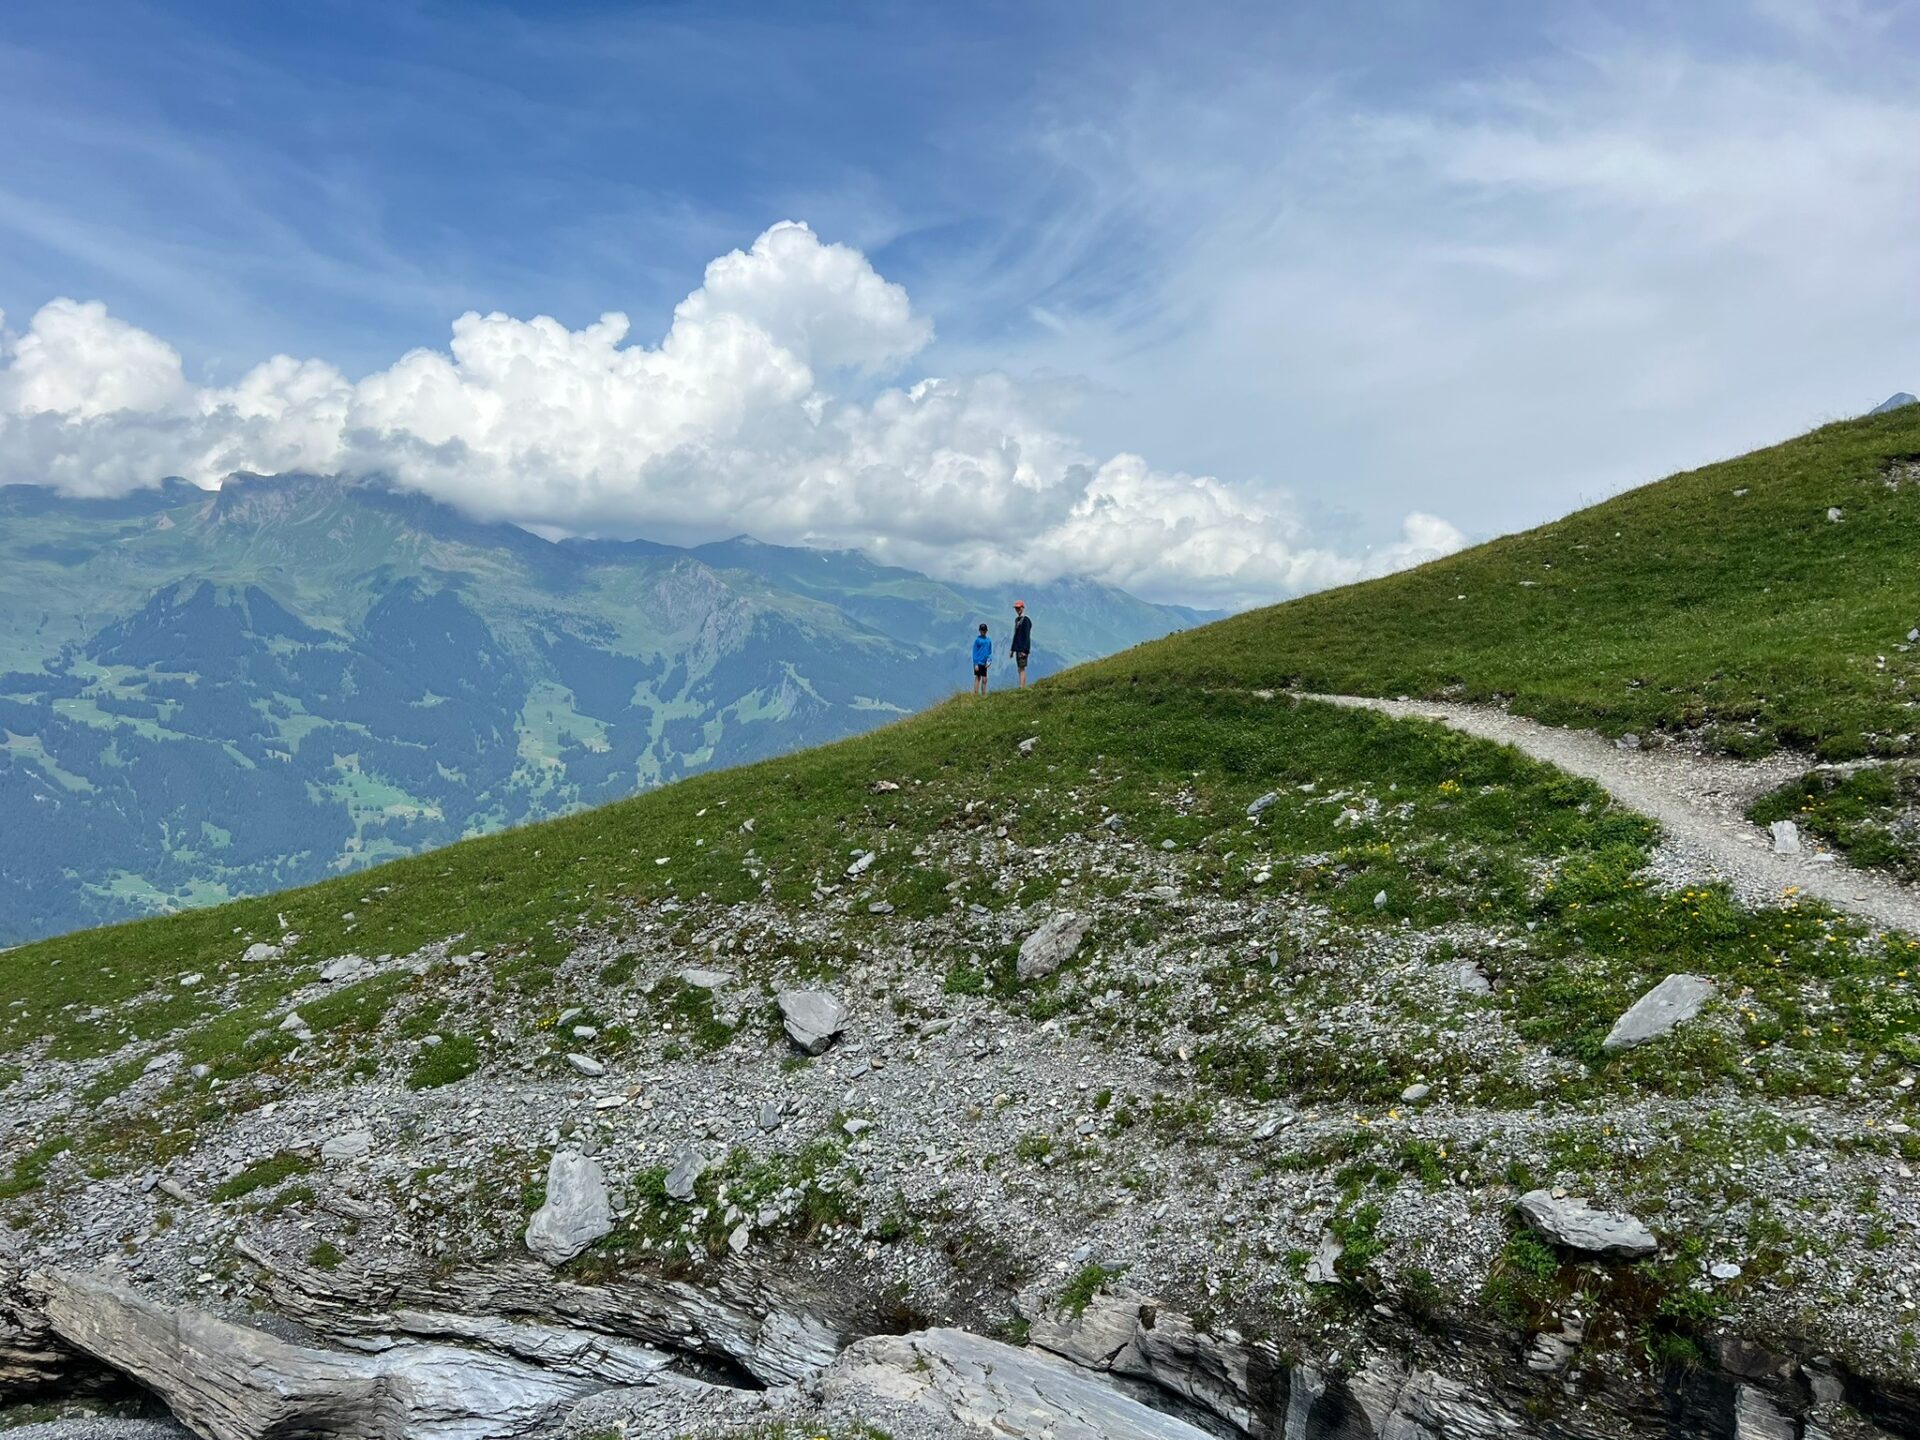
[1899, 400]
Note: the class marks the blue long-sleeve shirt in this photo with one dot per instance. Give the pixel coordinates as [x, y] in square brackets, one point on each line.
[982, 650]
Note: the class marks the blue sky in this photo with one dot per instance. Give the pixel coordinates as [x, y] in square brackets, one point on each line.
[1476, 262]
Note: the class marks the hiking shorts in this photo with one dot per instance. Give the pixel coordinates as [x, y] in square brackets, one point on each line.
[1020, 658]
[979, 672]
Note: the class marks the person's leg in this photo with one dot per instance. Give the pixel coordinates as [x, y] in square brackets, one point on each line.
[1021, 665]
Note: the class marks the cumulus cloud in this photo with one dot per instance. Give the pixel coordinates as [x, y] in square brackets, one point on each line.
[730, 423]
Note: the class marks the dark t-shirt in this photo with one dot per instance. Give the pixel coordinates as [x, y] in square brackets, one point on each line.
[1022, 636]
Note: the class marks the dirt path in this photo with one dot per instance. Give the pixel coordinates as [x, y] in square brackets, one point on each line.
[1700, 802]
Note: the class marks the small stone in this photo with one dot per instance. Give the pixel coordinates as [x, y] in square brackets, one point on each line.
[345, 968]
[1168, 845]
[191, 980]
[577, 1211]
[812, 1018]
[860, 863]
[572, 1012]
[685, 1173]
[1835, 514]
[586, 1032]
[1052, 945]
[1025, 747]
[258, 952]
[586, 1065]
[1414, 1093]
[1674, 1001]
[294, 1022]
[883, 787]
[1786, 837]
[347, 1145]
[771, 1116]
[200, 1071]
[1258, 807]
[1573, 1224]
[1323, 1268]
[880, 907]
[706, 979]
[1628, 741]
[1724, 1270]
[1380, 900]
[740, 1238]
[1469, 978]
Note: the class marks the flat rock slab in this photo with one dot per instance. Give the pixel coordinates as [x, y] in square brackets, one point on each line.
[227, 1382]
[966, 1380]
[1052, 945]
[1573, 1224]
[347, 1145]
[577, 1212]
[1674, 1001]
[812, 1018]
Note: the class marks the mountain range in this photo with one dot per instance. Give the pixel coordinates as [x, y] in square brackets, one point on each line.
[212, 693]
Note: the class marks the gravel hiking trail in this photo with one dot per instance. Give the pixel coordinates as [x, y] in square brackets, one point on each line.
[1700, 802]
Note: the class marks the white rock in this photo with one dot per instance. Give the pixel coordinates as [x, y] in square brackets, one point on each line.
[1323, 1269]
[1052, 945]
[259, 951]
[577, 1211]
[1025, 747]
[812, 1018]
[1573, 1224]
[1416, 1092]
[968, 1384]
[705, 979]
[1786, 837]
[586, 1065]
[347, 1145]
[293, 1022]
[1674, 1001]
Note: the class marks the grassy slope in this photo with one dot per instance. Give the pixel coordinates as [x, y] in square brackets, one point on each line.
[1755, 611]
[1678, 605]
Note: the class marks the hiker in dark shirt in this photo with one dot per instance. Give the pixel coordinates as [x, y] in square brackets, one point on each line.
[1022, 644]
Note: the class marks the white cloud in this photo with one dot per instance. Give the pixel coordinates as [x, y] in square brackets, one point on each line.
[78, 361]
[729, 424]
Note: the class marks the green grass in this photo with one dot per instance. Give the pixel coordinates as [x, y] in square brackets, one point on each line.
[1748, 618]
[263, 1173]
[454, 1058]
[1870, 815]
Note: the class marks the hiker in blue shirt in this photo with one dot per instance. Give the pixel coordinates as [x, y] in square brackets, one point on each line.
[982, 658]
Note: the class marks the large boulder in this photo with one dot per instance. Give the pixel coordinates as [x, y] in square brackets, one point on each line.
[812, 1018]
[1052, 945]
[1127, 1334]
[955, 1378]
[226, 1382]
[1674, 1001]
[1573, 1224]
[577, 1212]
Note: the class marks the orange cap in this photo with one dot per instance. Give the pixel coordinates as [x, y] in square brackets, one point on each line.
[1019, 604]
